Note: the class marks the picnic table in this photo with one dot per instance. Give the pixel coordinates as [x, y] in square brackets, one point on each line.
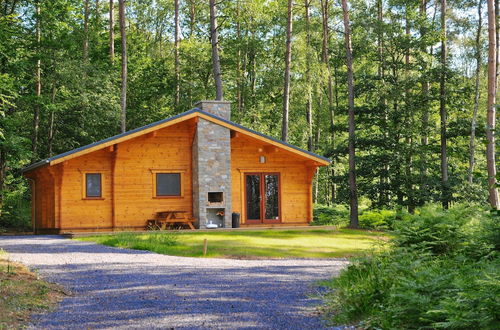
[164, 219]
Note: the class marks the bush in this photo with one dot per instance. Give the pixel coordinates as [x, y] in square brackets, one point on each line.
[440, 231]
[379, 219]
[442, 272]
[16, 209]
[337, 215]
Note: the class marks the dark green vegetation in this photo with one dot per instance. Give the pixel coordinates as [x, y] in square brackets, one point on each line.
[441, 272]
[396, 106]
[379, 219]
[298, 243]
[22, 293]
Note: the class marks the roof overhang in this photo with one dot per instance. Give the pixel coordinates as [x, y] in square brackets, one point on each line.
[194, 113]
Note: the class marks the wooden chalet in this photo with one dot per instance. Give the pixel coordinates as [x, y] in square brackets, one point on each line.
[197, 163]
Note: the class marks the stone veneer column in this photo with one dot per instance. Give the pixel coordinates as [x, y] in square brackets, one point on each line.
[212, 162]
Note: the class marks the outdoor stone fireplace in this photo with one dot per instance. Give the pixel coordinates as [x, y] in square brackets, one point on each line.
[215, 198]
[212, 168]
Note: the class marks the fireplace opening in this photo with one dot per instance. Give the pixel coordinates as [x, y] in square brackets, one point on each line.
[215, 197]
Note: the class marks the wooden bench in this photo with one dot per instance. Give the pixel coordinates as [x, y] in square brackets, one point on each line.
[166, 218]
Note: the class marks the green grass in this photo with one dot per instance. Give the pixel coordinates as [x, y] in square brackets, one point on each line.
[303, 243]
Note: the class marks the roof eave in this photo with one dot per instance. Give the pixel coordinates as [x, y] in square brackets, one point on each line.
[320, 159]
[35, 166]
[172, 120]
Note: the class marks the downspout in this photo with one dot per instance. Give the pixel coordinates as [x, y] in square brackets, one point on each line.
[33, 204]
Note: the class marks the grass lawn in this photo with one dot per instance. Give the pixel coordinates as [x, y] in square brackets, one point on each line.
[303, 243]
[22, 293]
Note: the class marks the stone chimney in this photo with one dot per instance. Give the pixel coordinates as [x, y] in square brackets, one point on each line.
[219, 108]
[212, 167]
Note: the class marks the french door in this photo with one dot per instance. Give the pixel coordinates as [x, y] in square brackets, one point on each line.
[262, 197]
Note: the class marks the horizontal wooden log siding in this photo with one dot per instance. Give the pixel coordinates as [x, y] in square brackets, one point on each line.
[295, 176]
[127, 170]
[60, 201]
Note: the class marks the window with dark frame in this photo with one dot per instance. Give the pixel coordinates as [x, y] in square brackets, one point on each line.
[93, 185]
[168, 184]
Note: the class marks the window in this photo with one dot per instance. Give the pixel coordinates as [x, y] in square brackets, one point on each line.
[93, 185]
[168, 184]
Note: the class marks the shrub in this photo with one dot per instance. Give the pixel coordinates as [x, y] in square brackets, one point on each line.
[337, 215]
[16, 209]
[472, 300]
[439, 231]
[378, 219]
[442, 272]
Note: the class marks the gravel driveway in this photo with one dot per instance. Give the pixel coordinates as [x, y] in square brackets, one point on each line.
[120, 288]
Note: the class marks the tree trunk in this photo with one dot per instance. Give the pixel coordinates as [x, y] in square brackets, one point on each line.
[325, 57]
[38, 84]
[97, 13]
[424, 139]
[123, 34]
[51, 121]
[239, 85]
[3, 166]
[382, 199]
[491, 112]
[288, 60]
[214, 36]
[380, 42]
[477, 92]
[192, 17]
[442, 111]
[353, 193]
[409, 123]
[497, 32]
[177, 61]
[86, 31]
[111, 32]
[308, 78]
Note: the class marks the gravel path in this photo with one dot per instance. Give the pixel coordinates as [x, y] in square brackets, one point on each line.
[120, 288]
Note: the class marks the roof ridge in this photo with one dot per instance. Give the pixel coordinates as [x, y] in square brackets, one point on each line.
[162, 121]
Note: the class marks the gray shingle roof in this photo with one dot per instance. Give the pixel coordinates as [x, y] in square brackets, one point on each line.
[195, 110]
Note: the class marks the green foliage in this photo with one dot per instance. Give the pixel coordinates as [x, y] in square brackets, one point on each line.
[16, 208]
[324, 215]
[378, 219]
[338, 215]
[436, 230]
[396, 151]
[435, 278]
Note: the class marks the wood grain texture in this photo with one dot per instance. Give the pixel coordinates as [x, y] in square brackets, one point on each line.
[128, 170]
[295, 176]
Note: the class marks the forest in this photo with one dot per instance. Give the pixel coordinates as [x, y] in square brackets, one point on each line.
[398, 93]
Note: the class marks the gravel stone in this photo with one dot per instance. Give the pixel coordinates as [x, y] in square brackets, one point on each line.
[129, 289]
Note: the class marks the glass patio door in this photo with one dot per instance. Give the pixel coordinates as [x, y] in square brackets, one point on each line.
[262, 192]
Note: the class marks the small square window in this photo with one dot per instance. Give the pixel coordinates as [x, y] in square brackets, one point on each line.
[93, 185]
[168, 184]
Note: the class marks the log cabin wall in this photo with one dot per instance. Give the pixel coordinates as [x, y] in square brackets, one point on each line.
[127, 170]
[168, 150]
[296, 175]
[128, 178]
[77, 211]
[43, 185]
[45, 199]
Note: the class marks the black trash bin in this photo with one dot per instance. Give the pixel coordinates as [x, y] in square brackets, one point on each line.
[236, 220]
